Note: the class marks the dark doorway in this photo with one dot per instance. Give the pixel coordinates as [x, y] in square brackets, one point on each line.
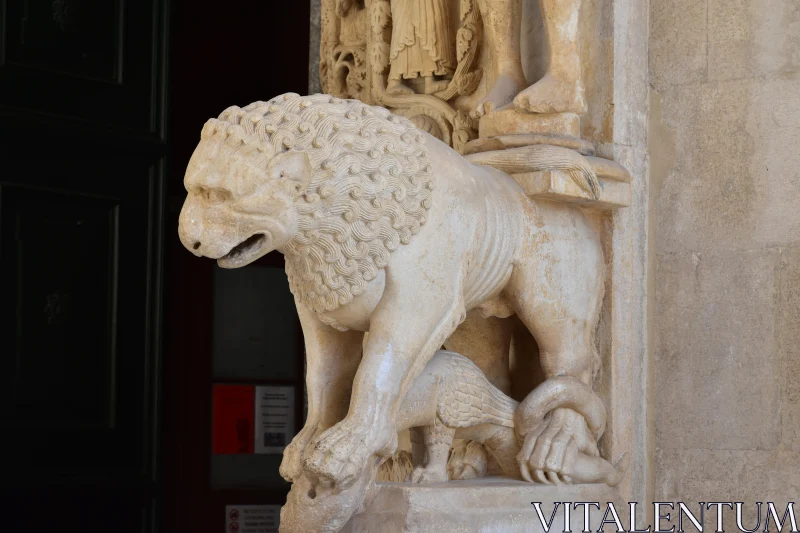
[106, 323]
[239, 52]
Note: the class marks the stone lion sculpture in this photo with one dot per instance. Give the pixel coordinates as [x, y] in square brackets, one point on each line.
[387, 230]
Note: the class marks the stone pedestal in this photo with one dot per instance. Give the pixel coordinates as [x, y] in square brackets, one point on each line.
[488, 505]
[560, 187]
[512, 122]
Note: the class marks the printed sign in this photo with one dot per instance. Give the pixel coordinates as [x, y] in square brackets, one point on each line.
[274, 420]
[252, 518]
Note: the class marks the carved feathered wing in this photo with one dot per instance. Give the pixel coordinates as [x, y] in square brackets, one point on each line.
[540, 158]
[468, 398]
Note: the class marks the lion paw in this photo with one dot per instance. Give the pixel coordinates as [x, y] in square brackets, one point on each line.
[338, 456]
[292, 463]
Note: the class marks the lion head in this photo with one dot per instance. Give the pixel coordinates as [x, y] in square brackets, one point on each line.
[336, 185]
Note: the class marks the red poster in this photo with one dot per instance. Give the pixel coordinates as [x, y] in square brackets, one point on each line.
[234, 417]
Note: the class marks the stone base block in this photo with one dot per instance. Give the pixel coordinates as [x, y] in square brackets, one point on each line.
[513, 122]
[488, 505]
[559, 186]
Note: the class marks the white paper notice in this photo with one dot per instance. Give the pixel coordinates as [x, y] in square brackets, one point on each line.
[252, 518]
[274, 418]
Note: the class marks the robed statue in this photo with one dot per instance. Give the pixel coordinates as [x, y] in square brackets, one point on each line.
[422, 45]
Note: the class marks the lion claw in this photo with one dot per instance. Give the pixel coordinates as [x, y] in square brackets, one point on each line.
[339, 454]
[292, 463]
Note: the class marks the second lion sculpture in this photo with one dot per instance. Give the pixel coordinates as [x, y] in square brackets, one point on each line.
[387, 230]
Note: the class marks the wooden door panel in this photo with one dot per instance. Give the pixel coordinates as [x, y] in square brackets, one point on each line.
[85, 510]
[65, 342]
[94, 64]
[80, 267]
[66, 37]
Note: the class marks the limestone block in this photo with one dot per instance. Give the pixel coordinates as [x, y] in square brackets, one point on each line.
[752, 38]
[700, 475]
[511, 121]
[717, 362]
[678, 50]
[686, 475]
[734, 171]
[789, 346]
[488, 505]
[559, 186]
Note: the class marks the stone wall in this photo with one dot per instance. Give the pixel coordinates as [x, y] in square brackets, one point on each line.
[725, 204]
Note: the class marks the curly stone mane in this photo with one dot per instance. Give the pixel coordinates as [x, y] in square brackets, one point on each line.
[369, 193]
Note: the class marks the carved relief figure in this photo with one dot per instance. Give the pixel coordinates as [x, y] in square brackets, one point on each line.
[377, 51]
[422, 44]
[387, 230]
[561, 89]
[343, 65]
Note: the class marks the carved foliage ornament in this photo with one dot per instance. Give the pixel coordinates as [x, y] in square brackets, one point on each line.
[361, 49]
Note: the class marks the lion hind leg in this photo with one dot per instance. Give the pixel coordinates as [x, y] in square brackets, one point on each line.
[563, 325]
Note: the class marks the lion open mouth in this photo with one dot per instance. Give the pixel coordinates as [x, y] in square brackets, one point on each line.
[245, 252]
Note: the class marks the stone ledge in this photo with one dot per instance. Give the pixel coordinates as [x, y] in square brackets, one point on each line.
[487, 505]
[511, 122]
[559, 186]
[504, 142]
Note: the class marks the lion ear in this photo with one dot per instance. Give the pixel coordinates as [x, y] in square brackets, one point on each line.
[293, 166]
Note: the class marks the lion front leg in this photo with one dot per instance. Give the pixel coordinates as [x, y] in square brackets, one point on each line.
[403, 337]
[331, 362]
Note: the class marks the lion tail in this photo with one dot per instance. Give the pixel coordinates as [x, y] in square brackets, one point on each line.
[541, 158]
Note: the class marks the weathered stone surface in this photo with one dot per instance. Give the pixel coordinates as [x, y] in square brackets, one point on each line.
[724, 168]
[678, 51]
[515, 141]
[717, 365]
[735, 169]
[752, 38]
[510, 122]
[489, 505]
[702, 475]
[558, 186]
[789, 346]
